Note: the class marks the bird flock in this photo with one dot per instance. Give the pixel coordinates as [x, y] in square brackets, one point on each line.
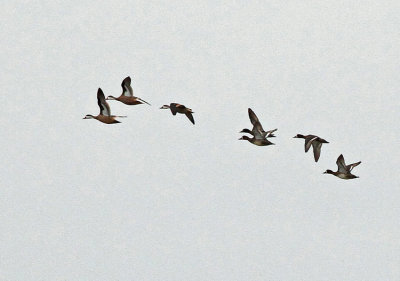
[259, 135]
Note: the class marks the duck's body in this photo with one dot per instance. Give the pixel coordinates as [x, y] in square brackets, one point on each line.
[257, 141]
[106, 119]
[344, 171]
[257, 127]
[343, 176]
[316, 143]
[105, 112]
[180, 108]
[127, 96]
[126, 100]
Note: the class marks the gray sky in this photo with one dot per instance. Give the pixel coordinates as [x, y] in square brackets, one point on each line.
[156, 198]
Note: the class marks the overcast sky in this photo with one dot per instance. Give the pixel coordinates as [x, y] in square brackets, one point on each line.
[156, 198]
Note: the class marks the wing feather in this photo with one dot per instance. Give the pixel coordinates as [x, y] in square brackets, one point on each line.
[101, 101]
[126, 87]
[351, 166]
[341, 164]
[253, 117]
[258, 131]
[308, 142]
[190, 116]
[270, 133]
[173, 107]
[317, 150]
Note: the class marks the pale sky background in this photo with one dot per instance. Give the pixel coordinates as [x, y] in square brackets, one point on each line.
[156, 198]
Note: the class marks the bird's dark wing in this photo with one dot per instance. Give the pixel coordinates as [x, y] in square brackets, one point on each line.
[253, 117]
[351, 166]
[317, 149]
[258, 130]
[270, 133]
[101, 101]
[173, 108]
[308, 142]
[190, 116]
[341, 164]
[126, 87]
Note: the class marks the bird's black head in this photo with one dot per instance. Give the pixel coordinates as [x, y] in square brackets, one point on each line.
[299, 136]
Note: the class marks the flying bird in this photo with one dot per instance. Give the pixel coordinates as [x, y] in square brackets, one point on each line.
[344, 171]
[257, 127]
[259, 135]
[179, 108]
[127, 96]
[316, 143]
[105, 112]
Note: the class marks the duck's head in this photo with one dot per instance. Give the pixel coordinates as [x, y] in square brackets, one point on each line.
[323, 141]
[328, 172]
[111, 98]
[88, 116]
[165, 106]
[245, 131]
[299, 136]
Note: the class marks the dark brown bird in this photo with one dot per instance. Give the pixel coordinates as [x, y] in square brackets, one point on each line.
[179, 108]
[315, 141]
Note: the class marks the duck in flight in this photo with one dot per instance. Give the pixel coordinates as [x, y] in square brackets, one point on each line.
[257, 127]
[105, 112]
[344, 171]
[259, 135]
[127, 96]
[316, 143]
[179, 108]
